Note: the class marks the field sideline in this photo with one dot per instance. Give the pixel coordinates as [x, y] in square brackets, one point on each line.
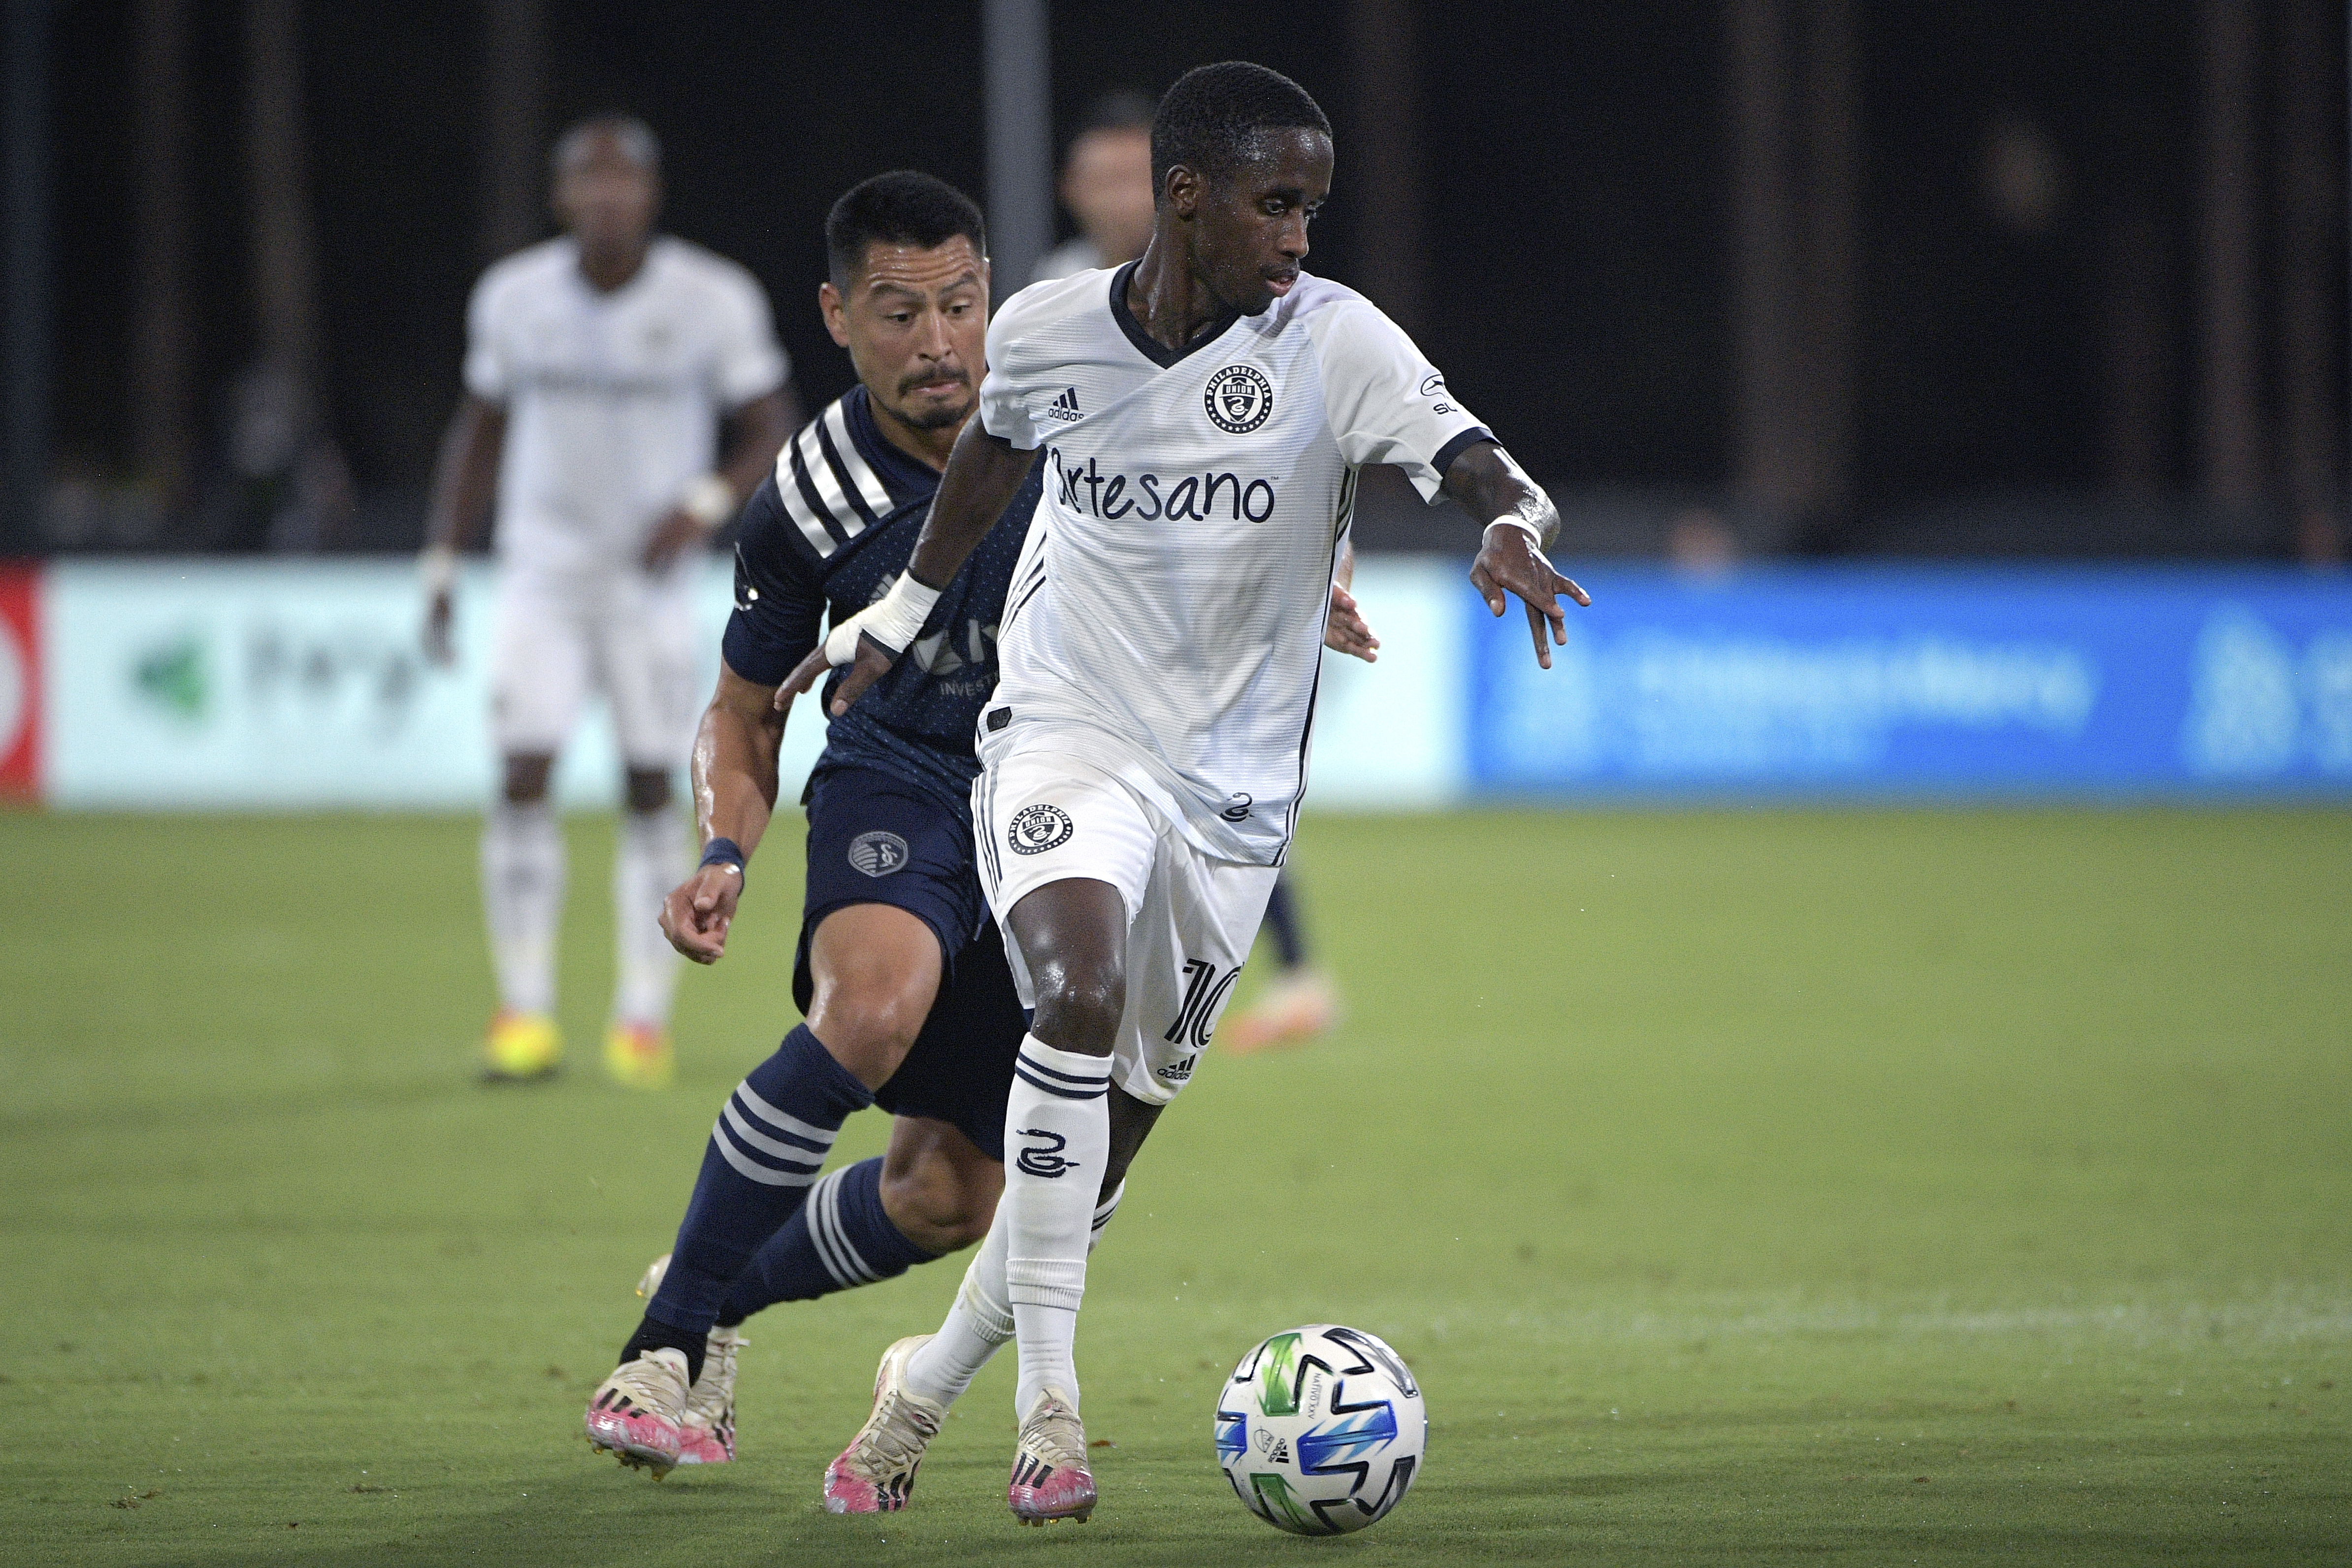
[1759, 1187]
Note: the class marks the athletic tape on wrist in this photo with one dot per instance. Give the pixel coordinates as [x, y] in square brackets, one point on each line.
[723, 852]
[1513, 519]
[894, 620]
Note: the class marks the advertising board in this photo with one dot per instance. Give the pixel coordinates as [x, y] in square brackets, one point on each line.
[1974, 683]
[297, 685]
[20, 683]
[303, 685]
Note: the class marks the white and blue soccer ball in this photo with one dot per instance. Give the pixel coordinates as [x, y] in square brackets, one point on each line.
[1320, 1430]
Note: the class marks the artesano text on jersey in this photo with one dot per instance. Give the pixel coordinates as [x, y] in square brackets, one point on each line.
[1169, 610]
[613, 400]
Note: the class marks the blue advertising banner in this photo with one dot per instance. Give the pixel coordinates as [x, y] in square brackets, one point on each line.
[1923, 682]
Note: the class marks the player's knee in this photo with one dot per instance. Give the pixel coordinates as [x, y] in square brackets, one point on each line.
[1079, 1009]
[869, 1024]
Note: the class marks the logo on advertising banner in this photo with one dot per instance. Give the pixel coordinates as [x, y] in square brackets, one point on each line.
[20, 684]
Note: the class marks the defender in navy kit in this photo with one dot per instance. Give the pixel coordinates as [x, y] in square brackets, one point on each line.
[900, 973]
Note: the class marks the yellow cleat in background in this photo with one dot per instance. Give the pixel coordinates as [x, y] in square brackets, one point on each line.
[639, 1056]
[521, 1047]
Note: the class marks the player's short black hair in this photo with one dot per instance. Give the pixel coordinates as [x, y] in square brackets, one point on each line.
[901, 207]
[636, 139]
[1211, 118]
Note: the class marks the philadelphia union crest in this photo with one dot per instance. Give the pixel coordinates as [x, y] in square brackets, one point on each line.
[1238, 399]
[1037, 829]
[877, 854]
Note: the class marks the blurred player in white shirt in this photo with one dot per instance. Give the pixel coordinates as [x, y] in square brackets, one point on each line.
[600, 366]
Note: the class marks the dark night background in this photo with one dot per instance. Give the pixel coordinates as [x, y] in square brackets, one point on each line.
[1576, 269]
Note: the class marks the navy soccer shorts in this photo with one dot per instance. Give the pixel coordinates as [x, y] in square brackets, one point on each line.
[875, 839]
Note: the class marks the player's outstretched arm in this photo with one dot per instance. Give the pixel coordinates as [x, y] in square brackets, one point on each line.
[1511, 559]
[465, 478]
[982, 474]
[734, 777]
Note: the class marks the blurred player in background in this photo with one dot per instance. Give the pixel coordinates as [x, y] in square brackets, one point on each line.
[1144, 754]
[599, 368]
[1106, 186]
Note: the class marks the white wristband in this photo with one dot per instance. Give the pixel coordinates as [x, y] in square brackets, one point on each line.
[436, 566]
[894, 620]
[709, 500]
[1513, 519]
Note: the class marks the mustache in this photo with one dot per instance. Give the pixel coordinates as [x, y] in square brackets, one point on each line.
[955, 373]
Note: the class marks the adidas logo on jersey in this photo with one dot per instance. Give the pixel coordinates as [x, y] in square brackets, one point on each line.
[1065, 407]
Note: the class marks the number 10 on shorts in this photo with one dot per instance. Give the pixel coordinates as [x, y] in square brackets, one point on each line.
[1205, 992]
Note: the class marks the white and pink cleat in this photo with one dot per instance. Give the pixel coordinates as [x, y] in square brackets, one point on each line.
[705, 1432]
[635, 1412]
[705, 1427]
[876, 1472]
[1050, 1478]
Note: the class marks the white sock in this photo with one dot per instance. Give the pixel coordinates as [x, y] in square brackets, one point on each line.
[650, 860]
[1056, 1142]
[981, 1319]
[523, 901]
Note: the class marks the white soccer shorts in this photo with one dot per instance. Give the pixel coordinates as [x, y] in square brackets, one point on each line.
[1044, 817]
[623, 634]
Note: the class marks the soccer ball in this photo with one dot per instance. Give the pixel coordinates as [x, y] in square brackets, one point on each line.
[1320, 1430]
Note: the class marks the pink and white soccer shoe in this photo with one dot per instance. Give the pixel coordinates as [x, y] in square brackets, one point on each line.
[876, 1472]
[1050, 1478]
[635, 1414]
[705, 1432]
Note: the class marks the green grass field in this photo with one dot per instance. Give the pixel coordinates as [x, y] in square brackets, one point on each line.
[1870, 1188]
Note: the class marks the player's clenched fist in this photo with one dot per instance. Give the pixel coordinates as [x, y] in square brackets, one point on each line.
[696, 915]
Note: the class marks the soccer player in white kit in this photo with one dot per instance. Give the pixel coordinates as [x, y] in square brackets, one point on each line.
[1204, 411]
[599, 368]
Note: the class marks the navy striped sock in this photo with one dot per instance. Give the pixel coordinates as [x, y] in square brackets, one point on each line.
[765, 1150]
[840, 1239]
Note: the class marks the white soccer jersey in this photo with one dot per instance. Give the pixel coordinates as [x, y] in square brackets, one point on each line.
[1169, 603]
[613, 400]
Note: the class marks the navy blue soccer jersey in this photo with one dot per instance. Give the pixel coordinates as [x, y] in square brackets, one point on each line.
[829, 532]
